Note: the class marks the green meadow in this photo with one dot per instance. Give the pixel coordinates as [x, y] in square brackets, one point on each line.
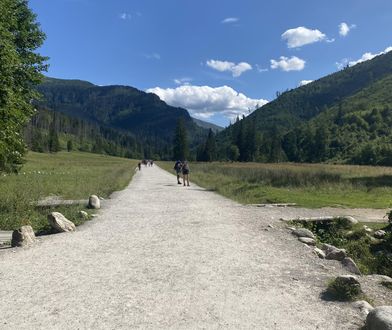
[308, 185]
[69, 175]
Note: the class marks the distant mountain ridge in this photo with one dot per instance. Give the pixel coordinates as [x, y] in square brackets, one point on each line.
[343, 117]
[123, 108]
[207, 125]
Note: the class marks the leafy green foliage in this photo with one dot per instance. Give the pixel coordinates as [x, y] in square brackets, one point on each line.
[371, 257]
[207, 152]
[342, 291]
[20, 69]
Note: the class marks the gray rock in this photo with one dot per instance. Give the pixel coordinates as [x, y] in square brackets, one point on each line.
[380, 318]
[333, 253]
[351, 220]
[363, 306]
[23, 236]
[319, 253]
[94, 202]
[307, 240]
[303, 232]
[367, 229]
[83, 215]
[60, 223]
[348, 280]
[380, 234]
[351, 266]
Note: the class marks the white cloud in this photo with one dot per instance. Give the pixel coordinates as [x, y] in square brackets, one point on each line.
[205, 101]
[235, 69]
[153, 56]
[344, 28]
[304, 82]
[230, 20]
[301, 36]
[183, 81]
[125, 16]
[288, 64]
[365, 57]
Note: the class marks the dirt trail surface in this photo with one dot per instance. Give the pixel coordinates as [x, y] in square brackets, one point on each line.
[160, 255]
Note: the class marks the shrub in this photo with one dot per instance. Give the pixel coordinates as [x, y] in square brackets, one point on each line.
[342, 290]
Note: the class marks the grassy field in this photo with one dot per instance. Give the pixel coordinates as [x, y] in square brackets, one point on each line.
[72, 175]
[308, 185]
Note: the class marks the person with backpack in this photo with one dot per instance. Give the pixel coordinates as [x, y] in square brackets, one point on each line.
[177, 168]
[185, 172]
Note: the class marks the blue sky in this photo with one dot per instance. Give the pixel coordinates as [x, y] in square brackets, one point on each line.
[217, 58]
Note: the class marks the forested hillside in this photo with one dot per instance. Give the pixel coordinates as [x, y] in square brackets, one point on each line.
[344, 117]
[118, 120]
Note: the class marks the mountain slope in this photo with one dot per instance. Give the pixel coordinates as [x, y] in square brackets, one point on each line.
[206, 125]
[124, 108]
[334, 118]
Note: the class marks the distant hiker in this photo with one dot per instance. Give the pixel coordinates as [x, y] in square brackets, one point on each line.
[177, 168]
[139, 165]
[152, 162]
[185, 172]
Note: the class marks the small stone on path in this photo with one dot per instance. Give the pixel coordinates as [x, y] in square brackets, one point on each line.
[303, 232]
[307, 240]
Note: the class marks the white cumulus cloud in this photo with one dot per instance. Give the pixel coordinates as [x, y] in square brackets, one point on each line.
[152, 56]
[125, 16]
[365, 57]
[235, 69]
[229, 20]
[344, 28]
[301, 36]
[183, 81]
[304, 82]
[288, 64]
[205, 101]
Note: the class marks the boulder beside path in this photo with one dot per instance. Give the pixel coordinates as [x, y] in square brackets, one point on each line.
[380, 318]
[23, 236]
[60, 223]
[94, 202]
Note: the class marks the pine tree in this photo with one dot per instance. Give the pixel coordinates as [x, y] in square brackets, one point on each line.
[210, 147]
[69, 145]
[53, 141]
[20, 70]
[180, 143]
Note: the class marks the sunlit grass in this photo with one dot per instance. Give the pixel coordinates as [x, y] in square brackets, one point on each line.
[72, 175]
[309, 185]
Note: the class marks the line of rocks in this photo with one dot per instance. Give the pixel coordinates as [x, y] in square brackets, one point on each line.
[25, 236]
[378, 318]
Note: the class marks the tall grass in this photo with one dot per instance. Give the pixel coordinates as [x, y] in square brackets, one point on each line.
[72, 175]
[310, 185]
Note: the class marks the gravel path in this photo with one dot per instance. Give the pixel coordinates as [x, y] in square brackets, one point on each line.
[166, 256]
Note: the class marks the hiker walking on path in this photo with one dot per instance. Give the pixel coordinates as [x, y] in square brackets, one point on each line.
[185, 172]
[177, 168]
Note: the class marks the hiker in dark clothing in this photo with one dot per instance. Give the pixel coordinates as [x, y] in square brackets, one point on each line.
[139, 166]
[185, 173]
[177, 168]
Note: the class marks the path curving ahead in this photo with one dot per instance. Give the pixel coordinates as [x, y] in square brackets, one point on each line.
[165, 256]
